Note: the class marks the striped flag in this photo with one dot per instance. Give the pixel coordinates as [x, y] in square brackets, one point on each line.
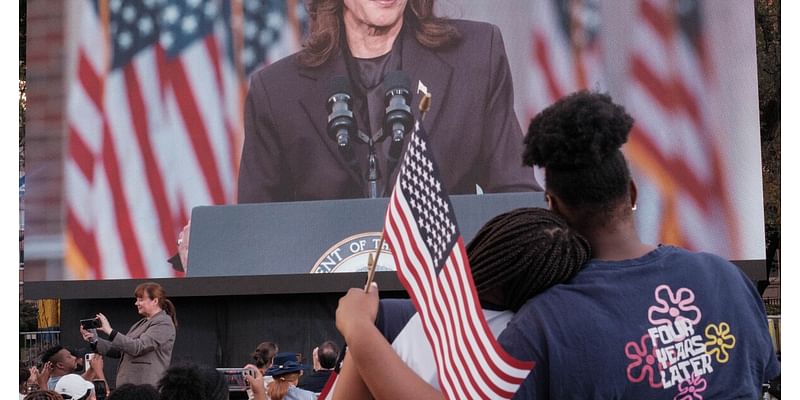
[432, 265]
[566, 53]
[154, 127]
[683, 192]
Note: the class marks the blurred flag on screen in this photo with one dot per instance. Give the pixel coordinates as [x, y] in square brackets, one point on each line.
[155, 123]
[683, 188]
[566, 52]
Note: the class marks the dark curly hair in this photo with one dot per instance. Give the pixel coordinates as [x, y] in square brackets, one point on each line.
[129, 391]
[520, 253]
[577, 140]
[50, 353]
[43, 395]
[189, 381]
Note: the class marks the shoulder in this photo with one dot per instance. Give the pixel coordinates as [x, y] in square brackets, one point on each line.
[284, 71]
[300, 394]
[481, 43]
[476, 35]
[393, 315]
[470, 29]
[701, 261]
[162, 318]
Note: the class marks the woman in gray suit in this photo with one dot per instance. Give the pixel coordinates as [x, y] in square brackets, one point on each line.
[146, 349]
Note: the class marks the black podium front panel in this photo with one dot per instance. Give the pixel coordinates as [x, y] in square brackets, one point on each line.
[313, 236]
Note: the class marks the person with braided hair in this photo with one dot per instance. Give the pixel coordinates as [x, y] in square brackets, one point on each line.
[513, 257]
[639, 321]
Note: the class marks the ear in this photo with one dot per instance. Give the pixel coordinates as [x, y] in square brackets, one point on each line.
[633, 193]
[552, 202]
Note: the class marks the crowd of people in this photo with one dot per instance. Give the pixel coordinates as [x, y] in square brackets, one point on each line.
[271, 375]
[572, 288]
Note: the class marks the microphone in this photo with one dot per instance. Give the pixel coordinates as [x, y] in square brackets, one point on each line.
[340, 118]
[398, 119]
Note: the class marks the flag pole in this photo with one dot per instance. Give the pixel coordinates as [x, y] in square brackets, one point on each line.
[424, 106]
[372, 263]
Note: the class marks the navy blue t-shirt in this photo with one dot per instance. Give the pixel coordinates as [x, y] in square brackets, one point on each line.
[670, 325]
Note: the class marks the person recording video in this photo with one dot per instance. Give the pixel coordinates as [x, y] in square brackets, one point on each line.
[145, 350]
[59, 361]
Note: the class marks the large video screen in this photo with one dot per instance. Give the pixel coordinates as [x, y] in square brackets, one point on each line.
[154, 99]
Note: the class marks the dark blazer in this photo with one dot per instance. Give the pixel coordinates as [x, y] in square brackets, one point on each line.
[473, 129]
[144, 352]
[315, 381]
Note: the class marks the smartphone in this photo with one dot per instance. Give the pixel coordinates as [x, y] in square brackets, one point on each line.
[99, 389]
[90, 323]
[235, 378]
[86, 359]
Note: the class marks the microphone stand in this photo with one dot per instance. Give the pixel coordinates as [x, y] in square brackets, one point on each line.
[373, 172]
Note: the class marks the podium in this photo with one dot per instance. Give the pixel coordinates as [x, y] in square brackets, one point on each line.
[314, 236]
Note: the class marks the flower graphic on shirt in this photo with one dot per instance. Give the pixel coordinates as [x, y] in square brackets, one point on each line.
[643, 362]
[719, 341]
[672, 307]
[691, 388]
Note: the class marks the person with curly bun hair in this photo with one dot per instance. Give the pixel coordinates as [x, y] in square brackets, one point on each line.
[639, 321]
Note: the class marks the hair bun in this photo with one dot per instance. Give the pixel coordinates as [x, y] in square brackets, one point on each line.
[578, 131]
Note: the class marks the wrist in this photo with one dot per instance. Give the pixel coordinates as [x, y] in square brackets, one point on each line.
[355, 327]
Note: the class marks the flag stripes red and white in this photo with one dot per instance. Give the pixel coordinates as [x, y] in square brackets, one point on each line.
[672, 143]
[148, 139]
[566, 52]
[433, 267]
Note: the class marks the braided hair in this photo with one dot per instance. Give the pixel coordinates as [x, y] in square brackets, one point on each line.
[523, 252]
[577, 140]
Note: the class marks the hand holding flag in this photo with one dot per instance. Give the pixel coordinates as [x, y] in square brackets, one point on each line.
[432, 265]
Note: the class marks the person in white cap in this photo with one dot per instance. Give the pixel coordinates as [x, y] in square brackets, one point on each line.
[73, 387]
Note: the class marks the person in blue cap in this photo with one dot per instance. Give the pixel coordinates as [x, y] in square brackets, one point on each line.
[285, 372]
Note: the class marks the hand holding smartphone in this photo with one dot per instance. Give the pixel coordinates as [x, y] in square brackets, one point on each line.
[90, 323]
[87, 358]
[236, 378]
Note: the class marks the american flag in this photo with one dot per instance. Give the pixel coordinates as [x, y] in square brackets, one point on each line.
[671, 82]
[154, 128]
[432, 264]
[566, 52]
